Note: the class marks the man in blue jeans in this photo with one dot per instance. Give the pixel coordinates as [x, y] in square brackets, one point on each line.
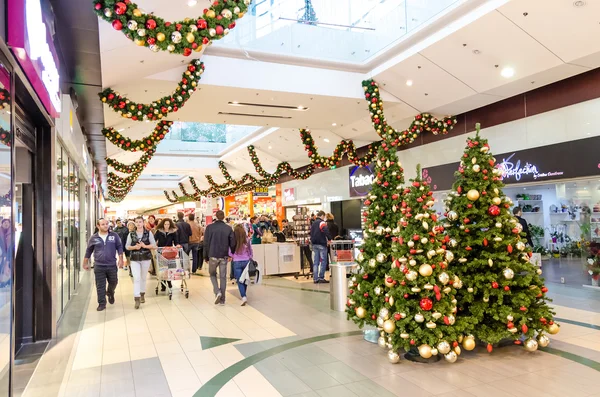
[319, 238]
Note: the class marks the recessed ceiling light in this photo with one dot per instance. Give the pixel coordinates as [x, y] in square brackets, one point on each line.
[270, 147]
[301, 107]
[579, 3]
[192, 3]
[333, 124]
[326, 140]
[235, 103]
[409, 83]
[507, 72]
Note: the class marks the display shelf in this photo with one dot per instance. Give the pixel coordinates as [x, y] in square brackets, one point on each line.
[530, 201]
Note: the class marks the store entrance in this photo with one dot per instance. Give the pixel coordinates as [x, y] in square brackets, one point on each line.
[25, 266]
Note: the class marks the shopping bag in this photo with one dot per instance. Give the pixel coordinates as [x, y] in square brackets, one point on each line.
[170, 252]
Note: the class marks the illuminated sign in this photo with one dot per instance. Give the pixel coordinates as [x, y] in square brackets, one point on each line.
[361, 179]
[261, 192]
[30, 40]
[289, 194]
[515, 169]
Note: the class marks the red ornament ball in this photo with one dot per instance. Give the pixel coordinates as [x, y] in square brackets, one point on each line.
[120, 8]
[151, 24]
[426, 304]
[219, 29]
[494, 210]
[117, 25]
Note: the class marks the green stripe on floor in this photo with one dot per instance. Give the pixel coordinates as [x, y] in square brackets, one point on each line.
[573, 357]
[212, 387]
[578, 323]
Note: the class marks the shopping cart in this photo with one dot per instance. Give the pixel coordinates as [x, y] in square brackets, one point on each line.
[341, 251]
[173, 265]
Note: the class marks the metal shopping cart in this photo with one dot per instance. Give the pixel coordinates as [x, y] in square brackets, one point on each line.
[173, 265]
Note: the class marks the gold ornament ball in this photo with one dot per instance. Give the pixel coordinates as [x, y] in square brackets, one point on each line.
[190, 37]
[140, 42]
[497, 201]
[553, 329]
[451, 357]
[530, 345]
[361, 312]
[381, 342]
[443, 347]
[543, 340]
[468, 343]
[210, 14]
[389, 326]
[393, 357]
[473, 195]
[425, 270]
[160, 37]
[137, 12]
[425, 351]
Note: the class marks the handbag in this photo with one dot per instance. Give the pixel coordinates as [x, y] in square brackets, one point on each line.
[252, 268]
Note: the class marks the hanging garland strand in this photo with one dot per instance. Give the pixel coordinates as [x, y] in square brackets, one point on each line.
[181, 37]
[160, 108]
[282, 168]
[138, 166]
[147, 143]
[345, 147]
[421, 122]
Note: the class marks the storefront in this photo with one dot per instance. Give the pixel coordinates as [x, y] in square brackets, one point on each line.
[261, 201]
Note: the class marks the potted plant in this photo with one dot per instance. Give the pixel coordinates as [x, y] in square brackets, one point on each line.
[593, 262]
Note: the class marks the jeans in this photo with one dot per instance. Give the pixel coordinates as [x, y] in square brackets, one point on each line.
[139, 270]
[186, 248]
[194, 254]
[320, 262]
[238, 269]
[200, 255]
[221, 263]
[103, 274]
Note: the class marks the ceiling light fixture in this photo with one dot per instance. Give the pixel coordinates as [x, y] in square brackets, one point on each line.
[409, 83]
[270, 147]
[333, 124]
[579, 3]
[326, 140]
[192, 3]
[507, 72]
[300, 107]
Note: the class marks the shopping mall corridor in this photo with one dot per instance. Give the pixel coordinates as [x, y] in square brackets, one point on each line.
[287, 342]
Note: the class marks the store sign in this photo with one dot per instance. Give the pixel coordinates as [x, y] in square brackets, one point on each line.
[361, 180]
[575, 159]
[289, 194]
[261, 192]
[31, 41]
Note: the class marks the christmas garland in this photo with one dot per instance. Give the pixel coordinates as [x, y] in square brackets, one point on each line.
[160, 108]
[5, 136]
[181, 37]
[346, 147]
[146, 143]
[421, 122]
[282, 168]
[138, 166]
[4, 99]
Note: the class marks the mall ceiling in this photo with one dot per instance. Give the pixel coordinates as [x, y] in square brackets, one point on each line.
[486, 54]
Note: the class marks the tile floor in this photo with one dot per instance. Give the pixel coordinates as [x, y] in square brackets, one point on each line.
[290, 344]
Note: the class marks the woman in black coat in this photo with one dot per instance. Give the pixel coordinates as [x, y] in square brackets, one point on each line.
[166, 236]
[334, 229]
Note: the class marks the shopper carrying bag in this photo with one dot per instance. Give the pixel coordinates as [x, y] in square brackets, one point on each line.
[140, 243]
[241, 256]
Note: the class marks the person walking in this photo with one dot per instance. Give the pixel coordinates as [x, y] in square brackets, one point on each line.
[151, 224]
[184, 232]
[319, 238]
[195, 240]
[218, 241]
[240, 257]
[139, 243]
[130, 228]
[166, 236]
[518, 213]
[105, 246]
[122, 231]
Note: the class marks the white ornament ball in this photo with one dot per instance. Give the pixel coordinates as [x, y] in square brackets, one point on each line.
[176, 37]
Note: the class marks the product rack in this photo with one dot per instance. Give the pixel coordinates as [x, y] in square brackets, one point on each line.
[301, 234]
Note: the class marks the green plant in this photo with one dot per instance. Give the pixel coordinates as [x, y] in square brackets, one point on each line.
[537, 233]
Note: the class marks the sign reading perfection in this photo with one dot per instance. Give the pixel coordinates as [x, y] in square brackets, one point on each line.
[574, 159]
[34, 49]
[361, 180]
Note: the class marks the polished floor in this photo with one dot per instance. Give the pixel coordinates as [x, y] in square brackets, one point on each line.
[287, 342]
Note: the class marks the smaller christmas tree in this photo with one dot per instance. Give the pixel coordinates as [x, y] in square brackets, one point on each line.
[367, 289]
[504, 296]
[308, 15]
[421, 308]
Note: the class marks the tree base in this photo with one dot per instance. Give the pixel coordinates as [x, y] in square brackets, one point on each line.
[371, 335]
[502, 343]
[414, 356]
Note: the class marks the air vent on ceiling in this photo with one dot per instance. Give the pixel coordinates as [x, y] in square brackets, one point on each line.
[262, 105]
[254, 115]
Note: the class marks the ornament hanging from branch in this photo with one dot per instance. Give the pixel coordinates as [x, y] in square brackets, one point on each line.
[423, 122]
[180, 37]
[160, 108]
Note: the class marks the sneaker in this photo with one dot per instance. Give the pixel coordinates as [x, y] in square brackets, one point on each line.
[221, 303]
[244, 301]
[101, 307]
[218, 298]
[325, 281]
[125, 268]
[111, 298]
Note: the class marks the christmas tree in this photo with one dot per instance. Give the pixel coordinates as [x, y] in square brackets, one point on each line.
[422, 308]
[367, 289]
[503, 296]
[308, 15]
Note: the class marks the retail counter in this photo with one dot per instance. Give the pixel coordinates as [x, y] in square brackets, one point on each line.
[277, 258]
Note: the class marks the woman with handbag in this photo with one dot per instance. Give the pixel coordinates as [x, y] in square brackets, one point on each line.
[240, 258]
[139, 243]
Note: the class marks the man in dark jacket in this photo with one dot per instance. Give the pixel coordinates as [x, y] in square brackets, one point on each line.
[184, 231]
[218, 240]
[105, 246]
[517, 212]
[319, 238]
[123, 232]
